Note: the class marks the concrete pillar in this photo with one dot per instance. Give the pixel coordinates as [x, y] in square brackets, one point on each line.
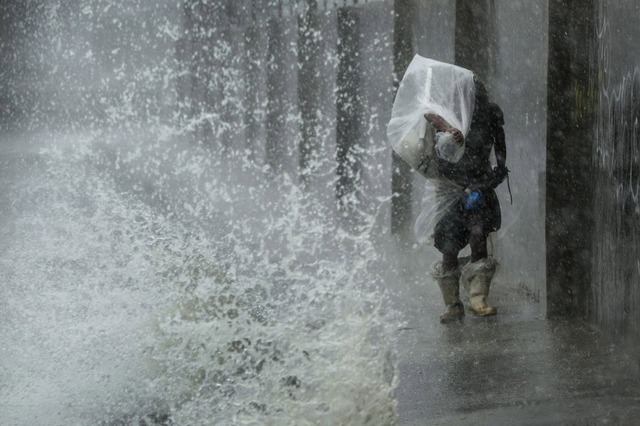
[476, 41]
[276, 102]
[20, 29]
[253, 56]
[569, 188]
[349, 106]
[403, 52]
[185, 82]
[615, 290]
[252, 85]
[309, 96]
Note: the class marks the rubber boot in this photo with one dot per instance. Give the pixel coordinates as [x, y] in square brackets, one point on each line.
[449, 286]
[476, 278]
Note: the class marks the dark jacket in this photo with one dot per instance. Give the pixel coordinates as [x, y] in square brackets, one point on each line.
[474, 168]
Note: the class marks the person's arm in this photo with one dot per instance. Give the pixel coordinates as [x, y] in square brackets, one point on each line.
[501, 171]
[500, 147]
[441, 125]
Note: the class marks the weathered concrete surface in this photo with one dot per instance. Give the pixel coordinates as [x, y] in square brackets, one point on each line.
[615, 254]
[513, 369]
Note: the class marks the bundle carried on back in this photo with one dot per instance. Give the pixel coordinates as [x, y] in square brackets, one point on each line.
[430, 87]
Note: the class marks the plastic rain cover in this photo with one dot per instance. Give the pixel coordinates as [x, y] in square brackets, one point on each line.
[430, 87]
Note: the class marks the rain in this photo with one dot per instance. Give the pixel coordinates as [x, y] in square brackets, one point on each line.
[205, 218]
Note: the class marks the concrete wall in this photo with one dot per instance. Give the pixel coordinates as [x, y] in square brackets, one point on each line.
[593, 169]
[614, 293]
[571, 115]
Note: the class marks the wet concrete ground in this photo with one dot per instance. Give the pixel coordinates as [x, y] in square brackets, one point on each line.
[513, 369]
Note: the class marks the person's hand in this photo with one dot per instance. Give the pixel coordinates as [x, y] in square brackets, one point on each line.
[441, 125]
[457, 135]
[499, 173]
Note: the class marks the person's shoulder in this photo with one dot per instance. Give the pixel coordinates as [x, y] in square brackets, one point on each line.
[495, 114]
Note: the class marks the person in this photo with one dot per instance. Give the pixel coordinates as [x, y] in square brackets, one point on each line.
[475, 214]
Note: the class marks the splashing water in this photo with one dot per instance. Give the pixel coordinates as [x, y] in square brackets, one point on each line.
[247, 302]
[154, 276]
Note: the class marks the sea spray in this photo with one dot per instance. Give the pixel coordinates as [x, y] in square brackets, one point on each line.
[156, 266]
[119, 309]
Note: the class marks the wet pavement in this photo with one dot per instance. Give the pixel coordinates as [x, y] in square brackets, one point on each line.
[513, 369]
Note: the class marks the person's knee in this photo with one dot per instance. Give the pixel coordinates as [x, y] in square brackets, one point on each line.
[449, 261]
[476, 234]
[478, 243]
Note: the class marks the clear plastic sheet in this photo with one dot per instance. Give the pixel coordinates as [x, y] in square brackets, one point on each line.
[439, 196]
[430, 87]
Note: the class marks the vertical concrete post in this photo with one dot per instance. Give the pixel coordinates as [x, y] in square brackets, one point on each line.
[349, 106]
[276, 83]
[252, 79]
[476, 41]
[183, 55]
[403, 52]
[570, 133]
[308, 85]
[17, 100]
[191, 87]
[206, 32]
